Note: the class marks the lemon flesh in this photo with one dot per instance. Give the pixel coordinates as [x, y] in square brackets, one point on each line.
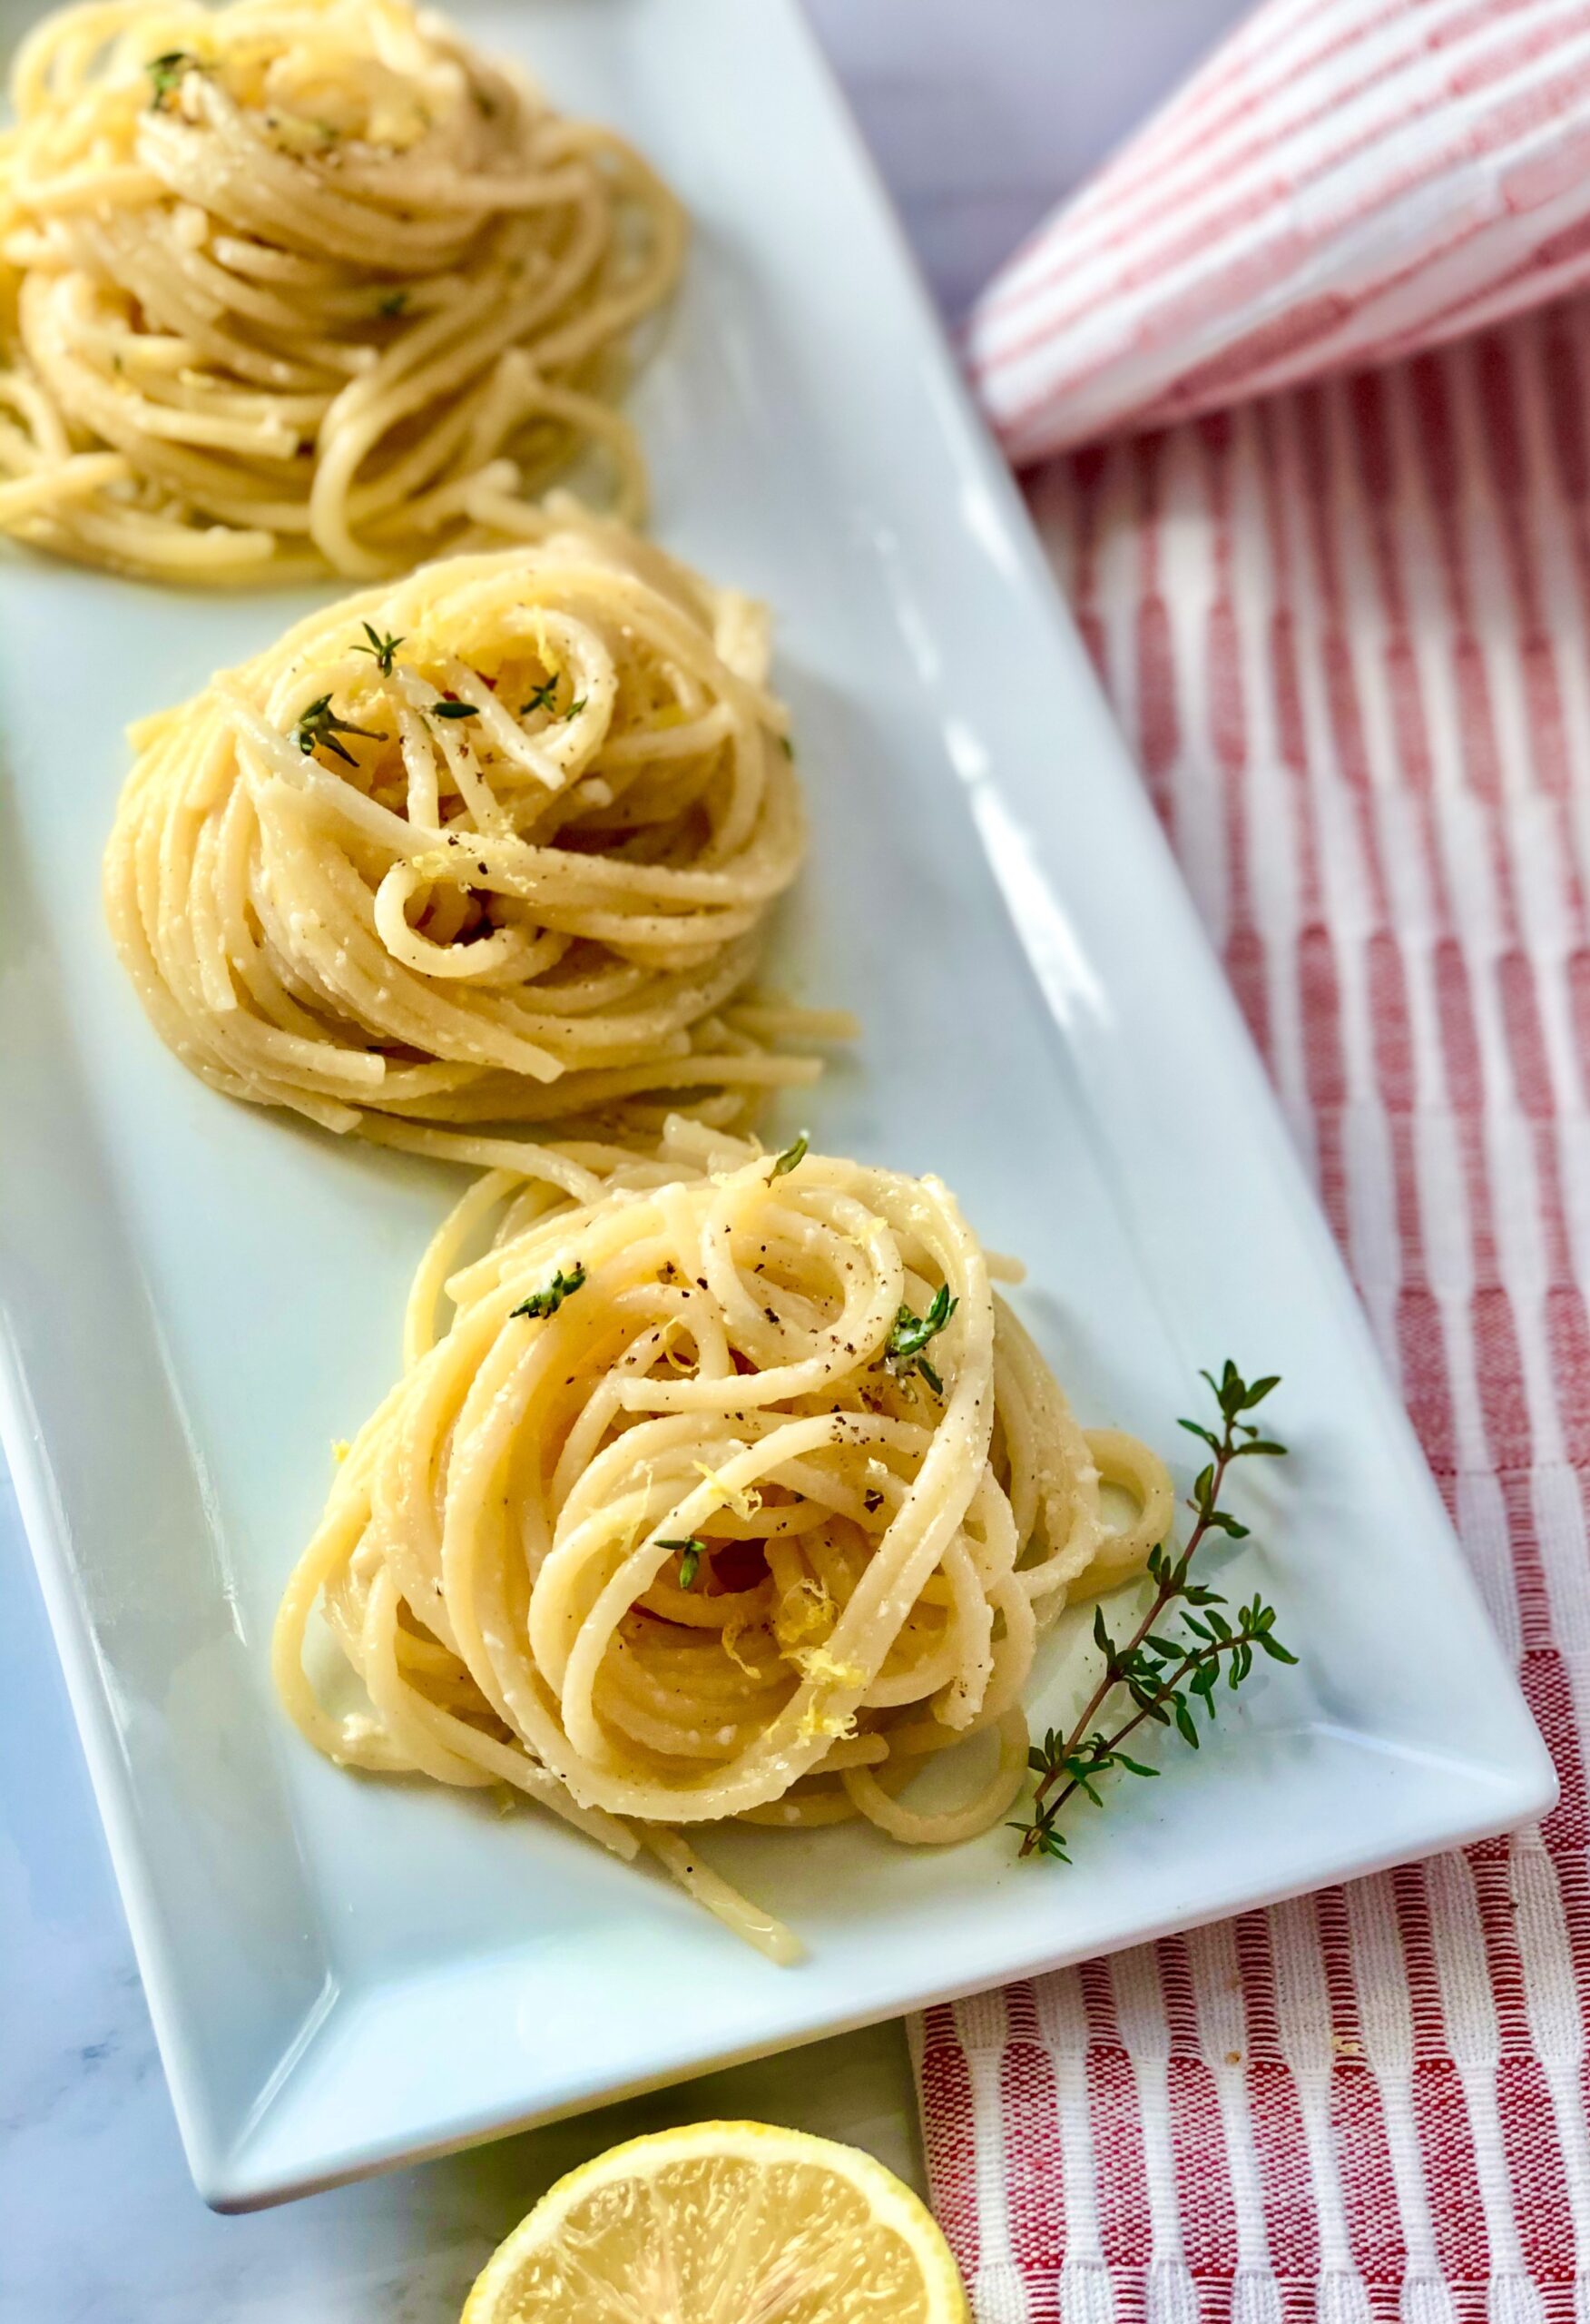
[723, 2223]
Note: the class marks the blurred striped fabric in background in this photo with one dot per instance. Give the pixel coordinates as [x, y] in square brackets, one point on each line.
[1348, 630]
[1344, 181]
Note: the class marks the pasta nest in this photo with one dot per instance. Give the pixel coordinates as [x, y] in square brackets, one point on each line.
[664, 1528]
[305, 284]
[495, 846]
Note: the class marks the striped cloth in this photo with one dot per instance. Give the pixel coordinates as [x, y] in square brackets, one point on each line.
[1348, 632]
[1343, 181]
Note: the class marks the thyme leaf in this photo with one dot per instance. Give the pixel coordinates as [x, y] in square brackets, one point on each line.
[792, 1157]
[383, 649]
[691, 1551]
[320, 725]
[551, 1297]
[909, 1334]
[167, 73]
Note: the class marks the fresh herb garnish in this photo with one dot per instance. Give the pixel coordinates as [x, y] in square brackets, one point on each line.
[548, 1301]
[576, 707]
[691, 1552]
[544, 695]
[1163, 1676]
[384, 649]
[909, 1334]
[787, 746]
[792, 1157]
[321, 724]
[167, 73]
[393, 303]
[453, 710]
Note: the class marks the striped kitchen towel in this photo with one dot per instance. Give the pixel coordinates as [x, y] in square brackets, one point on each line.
[1347, 629]
[1343, 181]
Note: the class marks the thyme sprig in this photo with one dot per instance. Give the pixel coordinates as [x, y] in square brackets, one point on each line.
[691, 1551]
[909, 1334]
[544, 697]
[551, 1296]
[1163, 1673]
[453, 710]
[320, 725]
[383, 650]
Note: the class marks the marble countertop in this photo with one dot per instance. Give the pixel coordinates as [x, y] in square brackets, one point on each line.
[982, 116]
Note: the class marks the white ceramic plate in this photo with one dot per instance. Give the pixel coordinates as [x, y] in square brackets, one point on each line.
[197, 1298]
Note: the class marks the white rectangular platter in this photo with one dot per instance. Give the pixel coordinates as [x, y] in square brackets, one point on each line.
[196, 1298]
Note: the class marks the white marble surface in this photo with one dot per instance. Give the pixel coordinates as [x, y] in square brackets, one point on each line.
[982, 112]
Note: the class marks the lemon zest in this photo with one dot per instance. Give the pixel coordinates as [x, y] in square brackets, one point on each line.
[815, 1722]
[805, 1613]
[733, 1632]
[743, 1499]
[817, 1662]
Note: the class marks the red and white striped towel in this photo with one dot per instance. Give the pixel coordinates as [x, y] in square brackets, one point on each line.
[1344, 180]
[1348, 629]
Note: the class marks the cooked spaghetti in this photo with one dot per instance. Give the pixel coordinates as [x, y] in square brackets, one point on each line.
[732, 1490]
[494, 848]
[305, 284]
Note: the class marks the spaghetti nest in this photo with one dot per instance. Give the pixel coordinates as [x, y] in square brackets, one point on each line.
[493, 847]
[304, 283]
[732, 1492]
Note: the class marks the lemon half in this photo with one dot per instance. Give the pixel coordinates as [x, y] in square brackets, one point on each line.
[723, 2223]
